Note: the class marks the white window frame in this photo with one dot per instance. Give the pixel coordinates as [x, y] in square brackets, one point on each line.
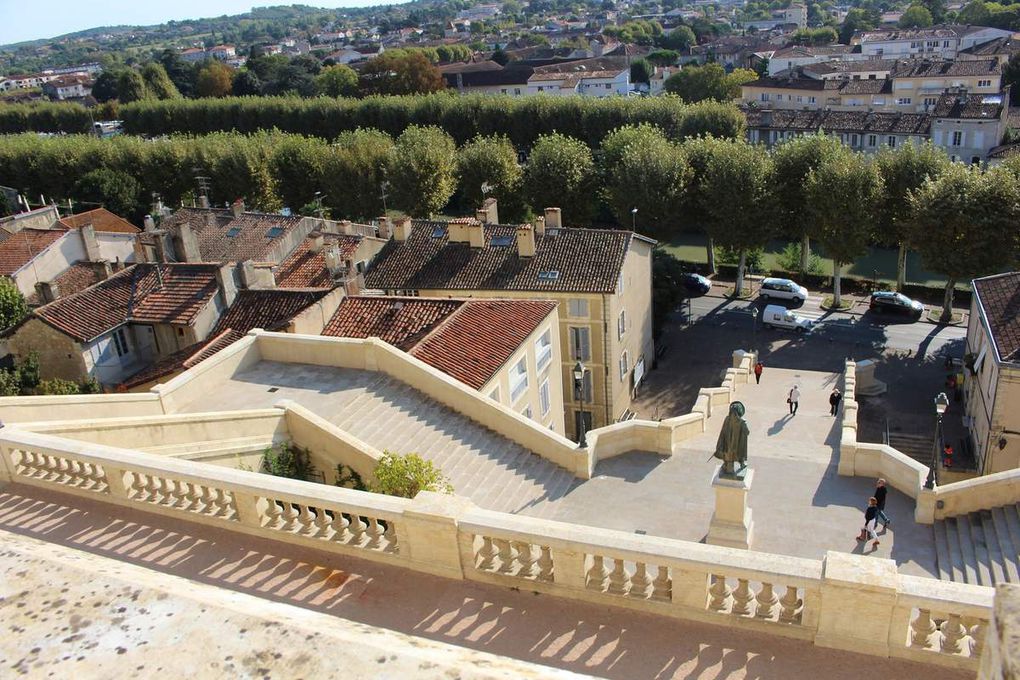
[527, 412]
[624, 366]
[957, 138]
[120, 343]
[519, 380]
[543, 350]
[574, 346]
[544, 397]
[621, 324]
[574, 308]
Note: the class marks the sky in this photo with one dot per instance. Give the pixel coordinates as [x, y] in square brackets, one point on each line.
[34, 19]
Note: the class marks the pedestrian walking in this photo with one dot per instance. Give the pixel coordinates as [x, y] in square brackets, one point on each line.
[870, 523]
[793, 399]
[880, 492]
[758, 368]
[834, 398]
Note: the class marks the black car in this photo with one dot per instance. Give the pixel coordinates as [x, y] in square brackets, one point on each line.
[888, 302]
[694, 285]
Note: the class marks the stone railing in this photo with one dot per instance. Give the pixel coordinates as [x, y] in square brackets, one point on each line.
[77, 406]
[843, 601]
[970, 495]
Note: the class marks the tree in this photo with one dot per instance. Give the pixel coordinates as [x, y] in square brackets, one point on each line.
[974, 14]
[180, 72]
[491, 162]
[246, 83]
[353, 173]
[28, 372]
[936, 8]
[1011, 77]
[105, 87]
[409, 73]
[794, 160]
[407, 475]
[422, 170]
[843, 194]
[158, 83]
[500, 57]
[337, 81]
[663, 57]
[857, 20]
[964, 224]
[916, 16]
[814, 36]
[698, 151]
[737, 192]
[561, 173]
[130, 86]
[680, 39]
[214, 80]
[13, 307]
[698, 83]
[904, 170]
[641, 71]
[117, 191]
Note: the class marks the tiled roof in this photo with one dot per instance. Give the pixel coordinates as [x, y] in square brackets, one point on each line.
[19, 248]
[268, 309]
[584, 260]
[466, 339]
[305, 269]
[856, 66]
[1004, 151]
[999, 297]
[943, 31]
[795, 51]
[513, 74]
[866, 87]
[74, 279]
[182, 359]
[924, 68]
[135, 294]
[975, 106]
[101, 219]
[840, 121]
[870, 86]
[226, 238]
[993, 47]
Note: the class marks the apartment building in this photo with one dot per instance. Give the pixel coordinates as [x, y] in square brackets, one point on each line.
[794, 56]
[600, 280]
[943, 42]
[992, 390]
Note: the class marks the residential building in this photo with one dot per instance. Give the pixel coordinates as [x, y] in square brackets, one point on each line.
[657, 82]
[601, 280]
[1000, 49]
[39, 218]
[992, 386]
[801, 55]
[509, 80]
[509, 350]
[969, 126]
[942, 42]
[325, 260]
[602, 77]
[193, 55]
[113, 329]
[68, 87]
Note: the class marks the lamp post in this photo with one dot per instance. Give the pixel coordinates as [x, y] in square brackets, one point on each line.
[941, 404]
[579, 385]
[633, 219]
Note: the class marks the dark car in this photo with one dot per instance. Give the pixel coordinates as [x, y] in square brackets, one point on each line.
[694, 285]
[888, 302]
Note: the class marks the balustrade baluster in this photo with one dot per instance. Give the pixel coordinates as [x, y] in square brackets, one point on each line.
[639, 582]
[922, 630]
[598, 577]
[290, 517]
[486, 554]
[137, 490]
[742, 597]
[357, 528]
[719, 593]
[322, 528]
[619, 579]
[662, 586]
[767, 602]
[953, 633]
[977, 639]
[225, 504]
[273, 514]
[545, 564]
[340, 526]
[506, 555]
[375, 533]
[525, 557]
[66, 472]
[790, 606]
[390, 537]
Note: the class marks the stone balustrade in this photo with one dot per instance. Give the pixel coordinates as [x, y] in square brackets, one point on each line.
[843, 601]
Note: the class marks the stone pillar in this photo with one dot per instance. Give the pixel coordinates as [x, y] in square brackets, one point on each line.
[430, 527]
[924, 507]
[857, 603]
[1001, 657]
[731, 524]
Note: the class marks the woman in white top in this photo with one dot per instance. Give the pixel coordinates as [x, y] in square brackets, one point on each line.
[793, 399]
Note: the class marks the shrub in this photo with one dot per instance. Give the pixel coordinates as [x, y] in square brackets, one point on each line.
[287, 460]
[406, 475]
[57, 386]
[348, 478]
[789, 260]
[755, 260]
[28, 372]
[10, 384]
[13, 307]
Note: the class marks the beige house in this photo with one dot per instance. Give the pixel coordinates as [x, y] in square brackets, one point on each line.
[600, 279]
[992, 396]
[509, 350]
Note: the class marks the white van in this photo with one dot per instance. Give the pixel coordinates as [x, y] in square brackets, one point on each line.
[777, 316]
[782, 289]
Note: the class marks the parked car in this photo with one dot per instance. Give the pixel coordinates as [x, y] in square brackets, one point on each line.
[777, 316]
[887, 301]
[782, 289]
[694, 285]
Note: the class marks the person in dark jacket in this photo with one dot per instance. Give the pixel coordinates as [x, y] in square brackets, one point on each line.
[880, 491]
[834, 398]
[870, 522]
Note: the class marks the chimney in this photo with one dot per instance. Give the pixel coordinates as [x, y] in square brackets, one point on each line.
[203, 201]
[476, 234]
[385, 227]
[237, 207]
[553, 218]
[159, 246]
[346, 227]
[402, 229]
[47, 291]
[89, 242]
[210, 219]
[457, 230]
[102, 269]
[317, 241]
[539, 226]
[525, 241]
[187, 246]
[150, 224]
[489, 212]
[225, 280]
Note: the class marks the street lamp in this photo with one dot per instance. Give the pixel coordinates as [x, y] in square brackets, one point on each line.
[941, 404]
[633, 219]
[579, 386]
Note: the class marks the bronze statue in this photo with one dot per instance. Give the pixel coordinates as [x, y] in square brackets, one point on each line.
[732, 445]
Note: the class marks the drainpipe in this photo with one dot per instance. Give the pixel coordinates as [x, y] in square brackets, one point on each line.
[605, 356]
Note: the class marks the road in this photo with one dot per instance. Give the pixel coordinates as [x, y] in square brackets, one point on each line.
[863, 333]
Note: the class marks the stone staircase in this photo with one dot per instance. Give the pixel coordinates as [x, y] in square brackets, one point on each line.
[496, 473]
[981, 548]
[917, 446]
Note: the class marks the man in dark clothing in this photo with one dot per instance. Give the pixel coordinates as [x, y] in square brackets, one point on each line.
[834, 398]
[880, 492]
[869, 523]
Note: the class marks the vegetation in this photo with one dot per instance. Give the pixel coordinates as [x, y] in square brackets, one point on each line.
[287, 460]
[561, 172]
[406, 475]
[422, 170]
[708, 82]
[490, 163]
[348, 478]
[13, 307]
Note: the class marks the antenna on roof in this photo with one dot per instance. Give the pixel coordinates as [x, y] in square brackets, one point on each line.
[486, 188]
[203, 187]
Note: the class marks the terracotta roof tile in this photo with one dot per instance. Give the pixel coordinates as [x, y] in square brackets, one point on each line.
[101, 219]
[999, 296]
[224, 238]
[268, 309]
[19, 248]
[305, 269]
[399, 321]
[584, 260]
[134, 294]
[74, 279]
[839, 121]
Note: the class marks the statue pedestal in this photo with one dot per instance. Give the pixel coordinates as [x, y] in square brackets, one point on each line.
[731, 524]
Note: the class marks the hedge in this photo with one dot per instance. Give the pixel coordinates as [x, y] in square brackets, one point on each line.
[44, 117]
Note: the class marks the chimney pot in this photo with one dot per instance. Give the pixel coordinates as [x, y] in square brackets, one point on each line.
[385, 227]
[238, 207]
[402, 229]
[476, 234]
[553, 218]
[150, 224]
[539, 226]
[525, 241]
[317, 242]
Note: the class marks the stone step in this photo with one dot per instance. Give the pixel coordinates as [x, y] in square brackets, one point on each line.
[1011, 520]
[970, 572]
[982, 558]
[942, 557]
[1007, 546]
[955, 550]
[995, 560]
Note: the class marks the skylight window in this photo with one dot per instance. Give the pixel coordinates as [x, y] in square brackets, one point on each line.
[233, 232]
[274, 232]
[548, 275]
[554, 231]
[502, 241]
[438, 232]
